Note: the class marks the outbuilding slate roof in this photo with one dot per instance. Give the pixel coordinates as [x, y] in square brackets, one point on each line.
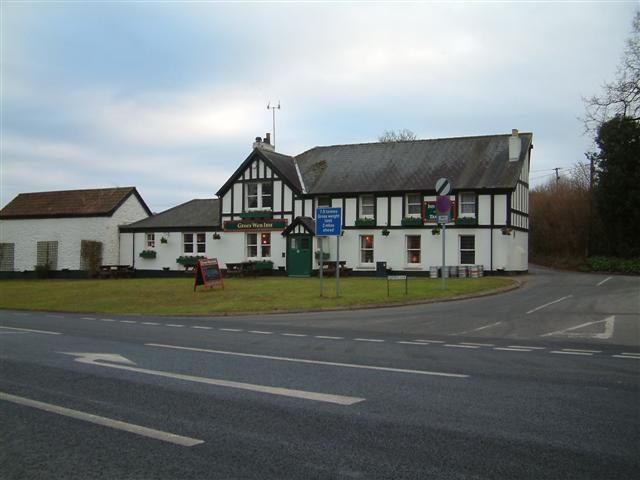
[469, 162]
[194, 214]
[100, 202]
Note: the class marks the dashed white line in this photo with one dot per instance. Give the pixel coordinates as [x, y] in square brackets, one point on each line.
[150, 323]
[630, 353]
[230, 330]
[47, 332]
[637, 357]
[603, 281]
[429, 341]
[104, 421]
[327, 337]
[527, 347]
[413, 343]
[571, 353]
[579, 350]
[455, 345]
[201, 328]
[293, 334]
[478, 344]
[547, 304]
[128, 321]
[512, 349]
[484, 327]
[374, 340]
[173, 325]
[259, 332]
[88, 318]
[107, 320]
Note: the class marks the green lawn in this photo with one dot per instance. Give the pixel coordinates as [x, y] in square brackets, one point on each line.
[176, 296]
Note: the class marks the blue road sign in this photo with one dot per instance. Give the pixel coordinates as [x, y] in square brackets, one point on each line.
[328, 222]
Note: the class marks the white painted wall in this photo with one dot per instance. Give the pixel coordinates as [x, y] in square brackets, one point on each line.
[484, 210]
[69, 232]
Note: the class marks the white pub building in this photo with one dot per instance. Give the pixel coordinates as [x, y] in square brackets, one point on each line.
[265, 211]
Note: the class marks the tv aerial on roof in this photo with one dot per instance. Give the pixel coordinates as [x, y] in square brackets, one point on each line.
[273, 110]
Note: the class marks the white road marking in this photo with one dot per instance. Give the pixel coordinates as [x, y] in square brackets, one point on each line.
[527, 347]
[173, 325]
[609, 324]
[128, 321]
[284, 392]
[230, 329]
[478, 344]
[580, 350]
[327, 337]
[454, 345]
[104, 421]
[150, 323]
[630, 353]
[259, 332]
[88, 318]
[88, 357]
[413, 343]
[547, 304]
[375, 340]
[15, 333]
[107, 320]
[201, 328]
[47, 332]
[484, 327]
[429, 341]
[626, 356]
[512, 349]
[313, 362]
[293, 334]
[571, 353]
[603, 281]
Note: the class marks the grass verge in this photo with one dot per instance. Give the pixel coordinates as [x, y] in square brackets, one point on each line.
[272, 294]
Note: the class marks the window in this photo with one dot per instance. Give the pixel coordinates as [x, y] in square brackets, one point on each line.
[468, 203]
[324, 202]
[255, 250]
[366, 249]
[414, 205]
[47, 254]
[151, 240]
[259, 195]
[413, 249]
[467, 249]
[367, 208]
[7, 255]
[194, 242]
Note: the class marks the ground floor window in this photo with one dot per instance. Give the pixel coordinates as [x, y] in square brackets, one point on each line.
[7, 256]
[467, 249]
[47, 254]
[151, 240]
[366, 249]
[259, 250]
[413, 249]
[194, 242]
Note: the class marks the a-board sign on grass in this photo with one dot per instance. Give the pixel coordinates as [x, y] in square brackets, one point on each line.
[208, 273]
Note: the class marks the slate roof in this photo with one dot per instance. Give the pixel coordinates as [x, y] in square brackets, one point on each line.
[469, 162]
[285, 165]
[307, 222]
[100, 202]
[194, 214]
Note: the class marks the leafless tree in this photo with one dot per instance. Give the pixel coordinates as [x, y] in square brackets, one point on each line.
[399, 136]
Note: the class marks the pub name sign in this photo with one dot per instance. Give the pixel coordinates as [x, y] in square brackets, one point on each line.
[255, 225]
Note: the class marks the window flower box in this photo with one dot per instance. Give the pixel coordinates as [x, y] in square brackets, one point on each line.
[411, 221]
[385, 232]
[466, 221]
[148, 254]
[263, 265]
[257, 214]
[188, 261]
[365, 222]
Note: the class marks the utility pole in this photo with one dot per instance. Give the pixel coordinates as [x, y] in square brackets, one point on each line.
[557, 175]
[273, 110]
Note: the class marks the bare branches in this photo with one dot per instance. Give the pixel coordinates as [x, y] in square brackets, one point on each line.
[399, 136]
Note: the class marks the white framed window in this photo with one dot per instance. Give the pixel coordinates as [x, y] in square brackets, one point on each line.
[151, 240]
[413, 249]
[324, 202]
[413, 207]
[366, 249]
[467, 249]
[367, 206]
[259, 245]
[194, 242]
[467, 203]
[259, 195]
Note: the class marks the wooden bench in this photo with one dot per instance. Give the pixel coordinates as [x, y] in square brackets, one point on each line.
[116, 271]
[329, 268]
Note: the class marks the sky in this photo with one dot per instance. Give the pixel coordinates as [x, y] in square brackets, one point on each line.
[169, 96]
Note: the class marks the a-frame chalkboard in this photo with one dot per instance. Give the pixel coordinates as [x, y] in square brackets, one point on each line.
[208, 274]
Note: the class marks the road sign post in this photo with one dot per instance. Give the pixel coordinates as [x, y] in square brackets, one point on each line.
[329, 224]
[443, 209]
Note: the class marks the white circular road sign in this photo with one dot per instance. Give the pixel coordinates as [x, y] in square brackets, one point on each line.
[443, 186]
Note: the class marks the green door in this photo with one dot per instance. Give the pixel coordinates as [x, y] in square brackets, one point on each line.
[299, 256]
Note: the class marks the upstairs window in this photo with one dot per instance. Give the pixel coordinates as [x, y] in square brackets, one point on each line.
[259, 195]
[367, 208]
[324, 202]
[194, 242]
[414, 205]
[467, 203]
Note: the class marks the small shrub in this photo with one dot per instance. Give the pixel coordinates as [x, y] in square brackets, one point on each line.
[43, 271]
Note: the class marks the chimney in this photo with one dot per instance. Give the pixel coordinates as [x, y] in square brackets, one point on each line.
[263, 145]
[267, 138]
[515, 146]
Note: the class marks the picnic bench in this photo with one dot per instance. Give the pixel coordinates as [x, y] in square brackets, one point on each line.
[329, 268]
[116, 271]
[243, 269]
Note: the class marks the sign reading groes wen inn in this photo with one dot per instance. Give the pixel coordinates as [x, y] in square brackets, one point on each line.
[255, 225]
